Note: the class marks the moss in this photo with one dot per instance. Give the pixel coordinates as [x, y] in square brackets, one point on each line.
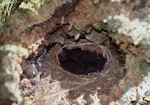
[7, 8]
[100, 26]
[142, 65]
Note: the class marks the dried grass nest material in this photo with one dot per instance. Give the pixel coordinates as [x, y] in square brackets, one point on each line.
[57, 83]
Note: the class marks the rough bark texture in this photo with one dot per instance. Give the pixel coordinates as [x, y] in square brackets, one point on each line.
[117, 29]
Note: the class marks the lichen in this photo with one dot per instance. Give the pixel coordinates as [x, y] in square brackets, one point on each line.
[139, 94]
[95, 100]
[20, 51]
[32, 5]
[136, 29]
[10, 70]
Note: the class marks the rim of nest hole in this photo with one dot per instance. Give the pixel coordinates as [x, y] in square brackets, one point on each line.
[70, 63]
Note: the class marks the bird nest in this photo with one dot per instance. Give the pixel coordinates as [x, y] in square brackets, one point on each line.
[76, 70]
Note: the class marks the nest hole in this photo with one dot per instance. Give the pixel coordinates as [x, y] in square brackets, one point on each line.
[81, 62]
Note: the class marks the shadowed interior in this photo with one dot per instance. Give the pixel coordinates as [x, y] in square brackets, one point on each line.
[78, 61]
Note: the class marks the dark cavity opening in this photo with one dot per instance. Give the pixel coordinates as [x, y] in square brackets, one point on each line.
[78, 61]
